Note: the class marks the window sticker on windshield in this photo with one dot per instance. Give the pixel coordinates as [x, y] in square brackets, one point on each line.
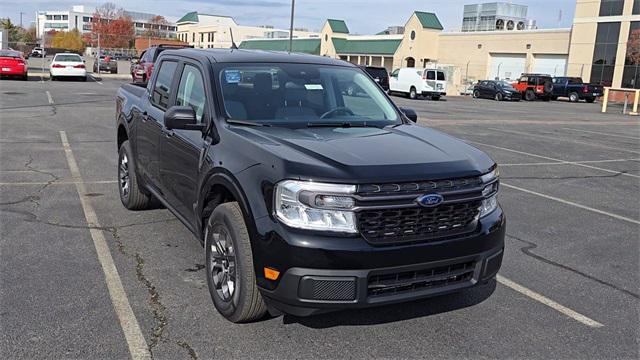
[313, 86]
[232, 76]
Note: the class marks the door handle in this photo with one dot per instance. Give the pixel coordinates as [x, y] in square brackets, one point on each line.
[145, 116]
[168, 133]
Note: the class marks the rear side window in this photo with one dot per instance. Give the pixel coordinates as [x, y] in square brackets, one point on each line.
[431, 75]
[395, 73]
[162, 87]
[191, 91]
[441, 76]
[377, 73]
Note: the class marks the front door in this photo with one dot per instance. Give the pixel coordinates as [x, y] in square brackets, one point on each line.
[182, 150]
[152, 121]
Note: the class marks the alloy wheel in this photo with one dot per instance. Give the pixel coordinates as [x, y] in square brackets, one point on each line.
[123, 175]
[223, 263]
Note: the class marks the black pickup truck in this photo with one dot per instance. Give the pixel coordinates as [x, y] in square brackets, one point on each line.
[575, 89]
[306, 199]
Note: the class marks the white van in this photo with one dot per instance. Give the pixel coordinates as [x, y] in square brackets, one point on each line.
[414, 82]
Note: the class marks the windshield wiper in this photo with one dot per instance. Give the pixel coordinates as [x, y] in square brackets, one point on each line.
[340, 124]
[246, 123]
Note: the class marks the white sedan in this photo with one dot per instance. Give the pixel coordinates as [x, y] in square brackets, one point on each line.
[67, 65]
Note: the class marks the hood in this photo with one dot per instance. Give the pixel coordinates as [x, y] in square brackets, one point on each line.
[401, 153]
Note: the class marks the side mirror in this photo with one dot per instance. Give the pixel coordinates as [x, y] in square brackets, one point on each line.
[410, 114]
[182, 118]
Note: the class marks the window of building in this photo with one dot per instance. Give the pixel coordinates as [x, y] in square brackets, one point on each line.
[611, 7]
[631, 74]
[636, 7]
[57, 17]
[201, 37]
[85, 19]
[65, 17]
[604, 53]
[49, 17]
[193, 37]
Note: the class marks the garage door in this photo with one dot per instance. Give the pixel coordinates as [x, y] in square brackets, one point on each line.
[507, 66]
[555, 65]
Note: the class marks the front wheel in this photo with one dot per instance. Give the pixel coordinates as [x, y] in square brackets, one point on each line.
[412, 93]
[498, 97]
[476, 94]
[229, 261]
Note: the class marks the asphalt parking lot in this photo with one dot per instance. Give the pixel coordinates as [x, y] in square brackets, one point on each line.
[568, 288]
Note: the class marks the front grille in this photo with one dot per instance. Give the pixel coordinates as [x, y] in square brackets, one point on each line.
[418, 187]
[392, 226]
[417, 280]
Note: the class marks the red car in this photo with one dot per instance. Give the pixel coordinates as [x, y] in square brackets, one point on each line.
[141, 70]
[12, 63]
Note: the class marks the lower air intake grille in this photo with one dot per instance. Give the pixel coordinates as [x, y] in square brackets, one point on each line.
[409, 281]
[327, 288]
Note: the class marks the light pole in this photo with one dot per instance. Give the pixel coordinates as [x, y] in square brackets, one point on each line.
[498, 74]
[293, 7]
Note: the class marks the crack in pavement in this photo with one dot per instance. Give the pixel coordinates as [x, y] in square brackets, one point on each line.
[531, 246]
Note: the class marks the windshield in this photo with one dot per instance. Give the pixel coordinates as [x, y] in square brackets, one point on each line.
[505, 85]
[304, 95]
[68, 58]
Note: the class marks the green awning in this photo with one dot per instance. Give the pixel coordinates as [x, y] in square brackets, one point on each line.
[368, 47]
[309, 46]
[429, 20]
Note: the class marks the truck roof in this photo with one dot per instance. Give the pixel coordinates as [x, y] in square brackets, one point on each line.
[255, 56]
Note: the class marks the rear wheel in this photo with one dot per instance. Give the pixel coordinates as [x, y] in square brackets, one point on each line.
[230, 272]
[498, 97]
[573, 97]
[412, 93]
[476, 94]
[131, 195]
[529, 95]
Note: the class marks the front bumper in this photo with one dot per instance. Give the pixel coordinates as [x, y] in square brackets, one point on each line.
[433, 93]
[320, 274]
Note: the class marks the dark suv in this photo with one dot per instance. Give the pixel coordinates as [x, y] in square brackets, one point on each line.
[306, 199]
[379, 75]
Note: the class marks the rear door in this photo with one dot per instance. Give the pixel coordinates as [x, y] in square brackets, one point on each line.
[441, 81]
[430, 76]
[152, 121]
[182, 150]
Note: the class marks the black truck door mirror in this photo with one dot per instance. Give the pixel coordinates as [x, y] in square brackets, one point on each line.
[410, 114]
[182, 118]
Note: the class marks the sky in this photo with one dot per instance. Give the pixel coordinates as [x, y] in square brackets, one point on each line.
[362, 16]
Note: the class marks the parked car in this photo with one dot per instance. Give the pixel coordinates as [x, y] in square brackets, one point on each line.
[105, 64]
[38, 52]
[414, 82]
[12, 64]
[497, 90]
[575, 89]
[141, 69]
[305, 200]
[468, 90]
[535, 86]
[67, 65]
[379, 75]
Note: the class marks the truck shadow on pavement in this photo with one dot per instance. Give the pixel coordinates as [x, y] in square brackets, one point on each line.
[397, 312]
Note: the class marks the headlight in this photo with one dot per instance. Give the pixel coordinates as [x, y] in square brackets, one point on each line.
[315, 206]
[490, 203]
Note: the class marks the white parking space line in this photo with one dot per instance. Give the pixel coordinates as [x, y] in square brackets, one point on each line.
[548, 302]
[567, 202]
[95, 79]
[49, 97]
[603, 133]
[137, 345]
[569, 162]
[57, 183]
[554, 138]
[559, 161]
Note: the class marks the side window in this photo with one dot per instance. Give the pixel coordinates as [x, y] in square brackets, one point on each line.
[441, 76]
[394, 74]
[191, 91]
[524, 79]
[431, 75]
[162, 87]
[532, 81]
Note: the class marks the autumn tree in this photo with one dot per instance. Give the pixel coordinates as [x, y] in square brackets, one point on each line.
[633, 47]
[112, 27]
[68, 40]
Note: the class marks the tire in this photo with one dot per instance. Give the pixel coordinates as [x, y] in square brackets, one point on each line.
[229, 260]
[476, 94]
[529, 95]
[25, 77]
[590, 100]
[573, 97]
[412, 93]
[84, 79]
[131, 195]
[52, 78]
[498, 97]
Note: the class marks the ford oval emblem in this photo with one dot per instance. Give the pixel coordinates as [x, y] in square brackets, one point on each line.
[430, 200]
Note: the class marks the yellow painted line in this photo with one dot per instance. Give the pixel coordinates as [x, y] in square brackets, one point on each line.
[133, 334]
[548, 302]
